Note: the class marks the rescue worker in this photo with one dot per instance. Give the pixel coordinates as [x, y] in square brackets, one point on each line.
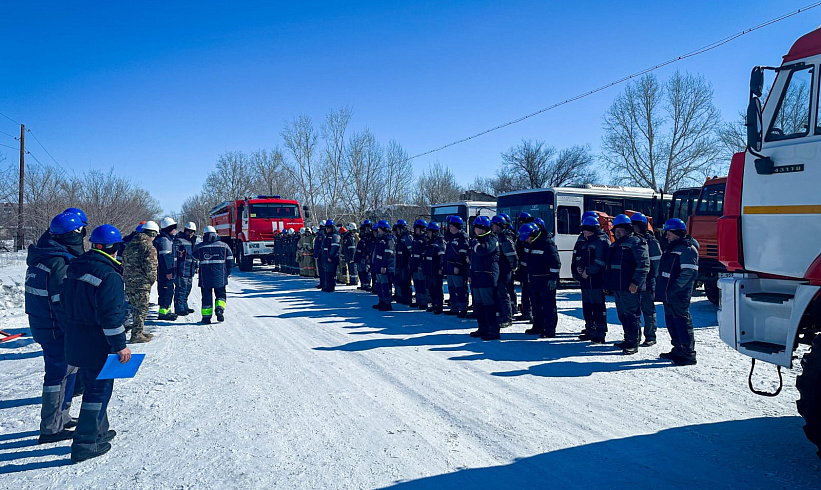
[362, 258]
[627, 267]
[404, 244]
[432, 266]
[92, 311]
[648, 304]
[484, 275]
[320, 268]
[186, 268]
[456, 267]
[305, 249]
[329, 255]
[543, 268]
[588, 266]
[384, 263]
[350, 241]
[514, 301]
[216, 261]
[47, 263]
[508, 262]
[521, 273]
[342, 268]
[166, 269]
[139, 274]
[678, 272]
[417, 250]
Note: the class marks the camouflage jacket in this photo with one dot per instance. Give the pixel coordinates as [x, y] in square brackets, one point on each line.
[140, 262]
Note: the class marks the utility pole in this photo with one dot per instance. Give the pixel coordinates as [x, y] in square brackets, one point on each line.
[20, 232]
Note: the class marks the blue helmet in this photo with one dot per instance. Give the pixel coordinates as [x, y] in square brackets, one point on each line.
[449, 218]
[539, 222]
[524, 215]
[79, 212]
[527, 230]
[433, 226]
[639, 218]
[420, 223]
[590, 213]
[506, 217]
[675, 224]
[383, 224]
[482, 222]
[138, 229]
[106, 235]
[498, 220]
[623, 220]
[401, 222]
[590, 223]
[65, 222]
[365, 223]
[329, 222]
[457, 221]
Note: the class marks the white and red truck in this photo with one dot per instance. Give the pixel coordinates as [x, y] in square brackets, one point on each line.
[769, 236]
[249, 226]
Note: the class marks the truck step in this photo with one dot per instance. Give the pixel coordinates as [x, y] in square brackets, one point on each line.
[763, 347]
[775, 298]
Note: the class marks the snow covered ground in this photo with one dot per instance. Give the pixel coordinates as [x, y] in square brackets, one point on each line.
[304, 389]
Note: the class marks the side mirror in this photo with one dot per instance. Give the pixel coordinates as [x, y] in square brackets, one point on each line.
[754, 124]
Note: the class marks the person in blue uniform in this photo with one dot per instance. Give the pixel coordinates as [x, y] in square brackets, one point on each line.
[215, 262]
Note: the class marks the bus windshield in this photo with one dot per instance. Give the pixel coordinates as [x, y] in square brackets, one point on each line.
[273, 211]
[538, 203]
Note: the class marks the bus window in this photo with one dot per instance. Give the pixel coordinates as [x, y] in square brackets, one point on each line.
[612, 207]
[568, 220]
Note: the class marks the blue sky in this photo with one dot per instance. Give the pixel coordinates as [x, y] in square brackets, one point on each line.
[158, 90]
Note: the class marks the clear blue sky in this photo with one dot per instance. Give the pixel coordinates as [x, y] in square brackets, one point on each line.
[157, 90]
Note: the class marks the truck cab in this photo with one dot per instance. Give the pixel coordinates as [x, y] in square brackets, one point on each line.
[703, 226]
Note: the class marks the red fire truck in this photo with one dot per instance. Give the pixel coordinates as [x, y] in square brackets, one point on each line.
[249, 226]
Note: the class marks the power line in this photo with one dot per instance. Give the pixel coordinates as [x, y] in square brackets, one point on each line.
[43, 147]
[12, 147]
[8, 134]
[10, 119]
[702, 50]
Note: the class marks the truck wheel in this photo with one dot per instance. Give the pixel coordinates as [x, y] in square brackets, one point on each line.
[809, 386]
[712, 292]
[246, 264]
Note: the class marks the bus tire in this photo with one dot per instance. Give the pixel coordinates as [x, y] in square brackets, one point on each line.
[809, 387]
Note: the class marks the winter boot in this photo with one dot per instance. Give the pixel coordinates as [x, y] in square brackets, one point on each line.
[63, 435]
[206, 320]
[481, 320]
[167, 316]
[111, 434]
[462, 314]
[220, 315]
[140, 337]
[648, 343]
[79, 455]
[630, 350]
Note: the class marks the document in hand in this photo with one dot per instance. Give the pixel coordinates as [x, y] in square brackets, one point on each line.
[114, 369]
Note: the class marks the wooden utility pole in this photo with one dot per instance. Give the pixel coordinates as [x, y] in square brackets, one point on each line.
[20, 233]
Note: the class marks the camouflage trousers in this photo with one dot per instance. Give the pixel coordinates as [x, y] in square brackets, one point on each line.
[138, 298]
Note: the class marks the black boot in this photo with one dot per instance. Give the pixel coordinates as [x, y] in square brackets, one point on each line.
[63, 435]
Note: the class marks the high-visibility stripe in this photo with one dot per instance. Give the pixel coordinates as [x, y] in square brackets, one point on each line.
[113, 331]
[36, 291]
[204, 262]
[52, 388]
[55, 298]
[555, 271]
[616, 266]
[665, 274]
[91, 406]
[537, 252]
[220, 303]
[658, 257]
[784, 209]
[162, 311]
[689, 266]
[43, 267]
[207, 311]
[163, 252]
[93, 280]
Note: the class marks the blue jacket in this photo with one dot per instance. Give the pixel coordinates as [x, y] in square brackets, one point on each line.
[331, 249]
[384, 254]
[92, 309]
[508, 261]
[216, 261]
[349, 246]
[484, 261]
[166, 261]
[364, 250]
[678, 270]
[456, 254]
[591, 255]
[654, 252]
[320, 238]
[47, 265]
[183, 253]
[417, 252]
[433, 257]
[628, 263]
[543, 263]
[404, 244]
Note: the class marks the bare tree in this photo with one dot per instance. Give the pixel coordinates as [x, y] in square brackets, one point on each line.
[269, 175]
[531, 160]
[662, 136]
[437, 185]
[331, 175]
[301, 140]
[500, 183]
[232, 178]
[534, 164]
[573, 165]
[363, 166]
[196, 208]
[398, 174]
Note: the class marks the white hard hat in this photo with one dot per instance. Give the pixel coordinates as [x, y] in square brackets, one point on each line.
[352, 226]
[166, 222]
[191, 226]
[314, 229]
[209, 229]
[151, 226]
[322, 223]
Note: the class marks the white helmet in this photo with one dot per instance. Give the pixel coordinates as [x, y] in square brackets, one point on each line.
[151, 226]
[191, 226]
[314, 229]
[322, 223]
[166, 222]
[209, 229]
[351, 226]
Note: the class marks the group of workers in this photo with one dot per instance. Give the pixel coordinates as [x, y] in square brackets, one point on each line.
[77, 302]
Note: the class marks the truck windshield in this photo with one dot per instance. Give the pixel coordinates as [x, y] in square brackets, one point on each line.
[538, 204]
[711, 202]
[274, 211]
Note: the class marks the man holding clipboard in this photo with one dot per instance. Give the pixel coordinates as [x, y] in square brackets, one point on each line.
[92, 308]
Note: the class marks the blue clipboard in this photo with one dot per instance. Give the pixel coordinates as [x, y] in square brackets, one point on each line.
[114, 369]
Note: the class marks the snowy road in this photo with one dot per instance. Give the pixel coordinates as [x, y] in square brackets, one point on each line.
[304, 389]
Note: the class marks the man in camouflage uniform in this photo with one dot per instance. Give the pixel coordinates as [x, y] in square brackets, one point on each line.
[139, 274]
